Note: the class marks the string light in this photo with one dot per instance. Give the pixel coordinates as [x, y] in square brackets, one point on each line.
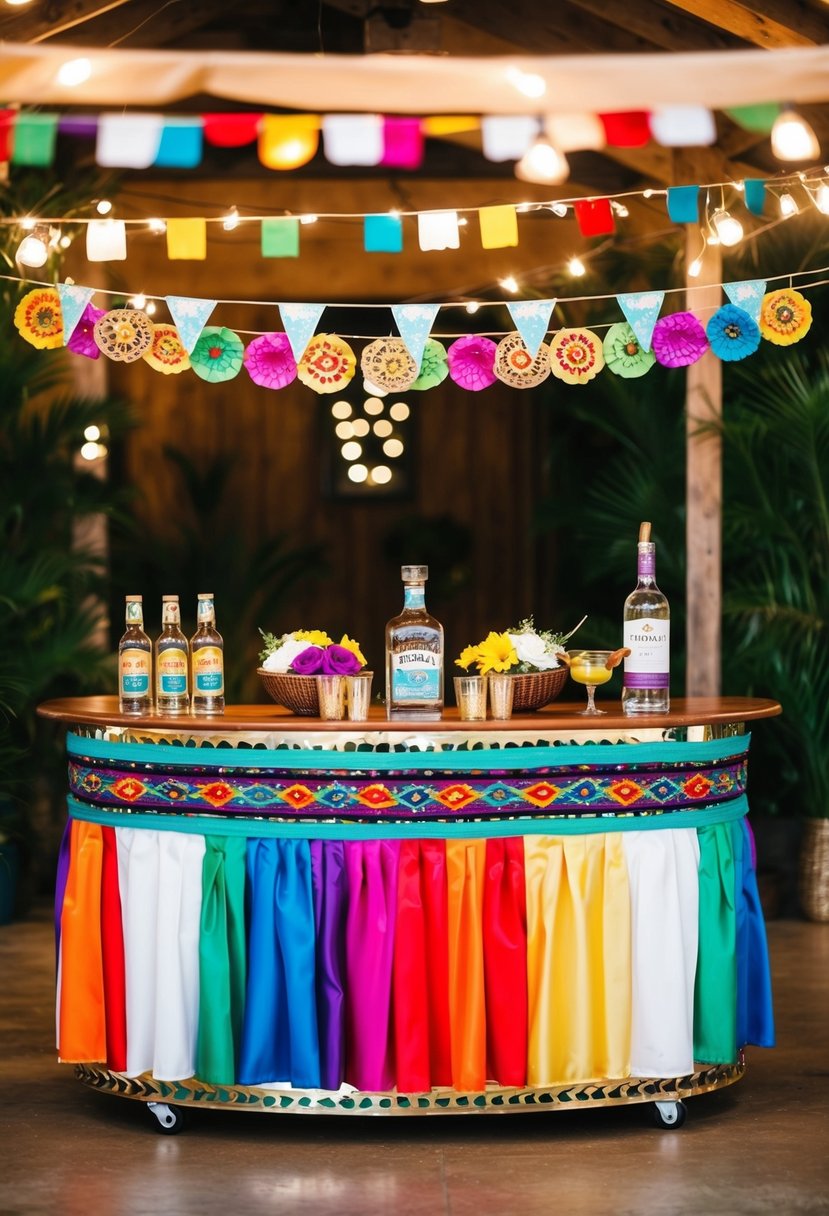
[103, 207]
[472, 307]
[33, 249]
[788, 206]
[792, 138]
[139, 301]
[695, 268]
[822, 198]
[576, 267]
[156, 225]
[231, 220]
[510, 283]
[308, 219]
[728, 229]
[560, 209]
[542, 163]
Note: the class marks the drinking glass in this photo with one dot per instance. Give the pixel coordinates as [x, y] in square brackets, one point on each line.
[591, 668]
[501, 690]
[470, 694]
[358, 695]
[331, 691]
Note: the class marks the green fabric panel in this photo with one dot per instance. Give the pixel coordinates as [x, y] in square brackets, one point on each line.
[205, 825]
[221, 959]
[34, 139]
[482, 759]
[715, 993]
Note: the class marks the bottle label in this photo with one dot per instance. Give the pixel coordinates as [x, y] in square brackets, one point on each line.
[170, 613]
[646, 562]
[206, 612]
[134, 672]
[135, 612]
[415, 676]
[414, 597]
[208, 671]
[648, 664]
[172, 672]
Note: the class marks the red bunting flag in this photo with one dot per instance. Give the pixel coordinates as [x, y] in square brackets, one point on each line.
[629, 129]
[231, 130]
[7, 118]
[595, 216]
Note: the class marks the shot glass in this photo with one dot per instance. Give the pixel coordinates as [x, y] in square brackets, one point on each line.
[331, 691]
[501, 689]
[358, 695]
[470, 694]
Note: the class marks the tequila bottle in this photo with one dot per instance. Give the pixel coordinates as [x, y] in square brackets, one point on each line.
[207, 660]
[172, 661]
[414, 654]
[135, 660]
[647, 632]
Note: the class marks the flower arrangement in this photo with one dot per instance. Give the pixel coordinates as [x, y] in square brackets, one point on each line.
[310, 652]
[519, 651]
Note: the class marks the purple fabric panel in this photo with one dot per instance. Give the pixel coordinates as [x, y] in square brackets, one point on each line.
[60, 884]
[329, 885]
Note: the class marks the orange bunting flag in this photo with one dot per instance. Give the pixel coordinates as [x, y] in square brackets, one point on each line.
[287, 141]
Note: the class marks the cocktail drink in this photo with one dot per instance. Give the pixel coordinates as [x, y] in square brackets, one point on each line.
[592, 668]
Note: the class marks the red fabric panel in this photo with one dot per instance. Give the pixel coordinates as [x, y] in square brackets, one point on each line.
[7, 118]
[112, 945]
[595, 216]
[505, 961]
[411, 986]
[629, 129]
[231, 130]
[436, 917]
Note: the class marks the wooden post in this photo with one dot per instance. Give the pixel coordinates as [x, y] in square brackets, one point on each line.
[703, 404]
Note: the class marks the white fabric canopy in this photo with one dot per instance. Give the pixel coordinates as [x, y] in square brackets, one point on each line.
[414, 84]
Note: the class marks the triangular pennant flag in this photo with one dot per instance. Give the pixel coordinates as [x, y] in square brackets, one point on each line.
[532, 320]
[190, 317]
[414, 322]
[299, 322]
[747, 295]
[73, 300]
[641, 310]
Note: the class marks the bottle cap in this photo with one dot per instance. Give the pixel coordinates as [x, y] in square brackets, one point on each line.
[134, 599]
[414, 574]
[205, 595]
[167, 599]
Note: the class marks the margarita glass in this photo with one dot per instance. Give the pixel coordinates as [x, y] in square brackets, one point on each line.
[592, 668]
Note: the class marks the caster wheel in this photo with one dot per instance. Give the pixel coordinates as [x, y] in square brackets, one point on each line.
[169, 1119]
[669, 1115]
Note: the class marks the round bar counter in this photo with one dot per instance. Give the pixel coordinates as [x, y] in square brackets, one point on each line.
[281, 914]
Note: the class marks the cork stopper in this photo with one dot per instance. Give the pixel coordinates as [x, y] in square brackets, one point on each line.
[169, 599]
[134, 599]
[644, 532]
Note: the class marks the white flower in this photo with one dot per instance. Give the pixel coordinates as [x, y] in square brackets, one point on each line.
[532, 649]
[283, 657]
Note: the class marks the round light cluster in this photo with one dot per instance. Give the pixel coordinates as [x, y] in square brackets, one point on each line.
[374, 424]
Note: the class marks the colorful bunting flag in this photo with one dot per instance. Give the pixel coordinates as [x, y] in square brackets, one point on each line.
[382, 234]
[438, 230]
[755, 194]
[683, 204]
[73, 300]
[128, 141]
[499, 226]
[414, 322]
[352, 139]
[758, 118]
[402, 143]
[683, 127]
[187, 239]
[287, 141]
[594, 216]
[231, 130]
[299, 322]
[629, 129]
[34, 139]
[641, 309]
[189, 317]
[280, 237]
[532, 320]
[7, 118]
[507, 136]
[748, 295]
[575, 132]
[106, 241]
[181, 143]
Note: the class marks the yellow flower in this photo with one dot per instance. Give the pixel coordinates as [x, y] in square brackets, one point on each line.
[468, 656]
[315, 636]
[354, 647]
[497, 653]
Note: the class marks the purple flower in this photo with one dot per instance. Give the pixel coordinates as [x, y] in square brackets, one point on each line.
[309, 662]
[338, 661]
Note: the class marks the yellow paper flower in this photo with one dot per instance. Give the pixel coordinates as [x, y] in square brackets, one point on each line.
[316, 637]
[39, 319]
[497, 653]
[468, 656]
[785, 316]
[348, 644]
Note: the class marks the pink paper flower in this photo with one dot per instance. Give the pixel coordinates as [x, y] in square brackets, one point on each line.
[679, 340]
[270, 361]
[471, 361]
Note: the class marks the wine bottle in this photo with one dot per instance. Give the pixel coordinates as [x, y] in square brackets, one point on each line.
[135, 658]
[647, 633]
[414, 654]
[172, 661]
[207, 660]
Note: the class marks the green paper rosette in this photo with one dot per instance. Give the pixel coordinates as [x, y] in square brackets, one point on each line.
[434, 366]
[218, 354]
[623, 352]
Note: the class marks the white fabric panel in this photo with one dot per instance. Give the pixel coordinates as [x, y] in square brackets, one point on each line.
[664, 896]
[128, 141]
[438, 230]
[353, 139]
[138, 881]
[180, 858]
[507, 136]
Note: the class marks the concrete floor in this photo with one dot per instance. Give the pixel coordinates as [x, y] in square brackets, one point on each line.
[761, 1146]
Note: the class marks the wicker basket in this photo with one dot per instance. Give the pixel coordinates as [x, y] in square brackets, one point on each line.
[814, 869]
[537, 688]
[297, 693]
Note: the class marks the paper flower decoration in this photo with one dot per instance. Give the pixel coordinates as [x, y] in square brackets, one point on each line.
[470, 362]
[387, 362]
[82, 341]
[270, 361]
[218, 354]
[433, 366]
[515, 365]
[623, 352]
[327, 364]
[679, 340]
[39, 319]
[785, 316]
[124, 334]
[576, 355]
[167, 354]
[733, 334]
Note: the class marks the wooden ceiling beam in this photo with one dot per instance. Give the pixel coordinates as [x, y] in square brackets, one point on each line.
[666, 28]
[48, 20]
[764, 23]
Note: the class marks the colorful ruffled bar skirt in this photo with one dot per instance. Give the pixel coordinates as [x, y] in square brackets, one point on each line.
[530, 916]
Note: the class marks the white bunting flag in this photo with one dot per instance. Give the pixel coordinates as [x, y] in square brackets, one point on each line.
[128, 141]
[353, 139]
[190, 317]
[414, 322]
[747, 295]
[106, 241]
[641, 309]
[299, 322]
[438, 230]
[73, 301]
[532, 320]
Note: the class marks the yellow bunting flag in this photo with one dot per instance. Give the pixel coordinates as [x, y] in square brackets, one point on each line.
[287, 141]
[499, 227]
[187, 239]
[450, 124]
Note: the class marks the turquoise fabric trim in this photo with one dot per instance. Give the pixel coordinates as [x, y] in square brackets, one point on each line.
[205, 825]
[479, 759]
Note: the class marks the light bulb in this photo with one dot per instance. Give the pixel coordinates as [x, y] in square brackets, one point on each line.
[308, 219]
[472, 306]
[74, 72]
[381, 473]
[92, 432]
[157, 225]
[510, 283]
[357, 472]
[559, 209]
[788, 205]
[138, 301]
[620, 209]
[576, 267]
[150, 309]
[542, 163]
[822, 199]
[65, 242]
[104, 207]
[351, 450]
[694, 268]
[729, 230]
[792, 138]
[231, 220]
[32, 250]
[399, 411]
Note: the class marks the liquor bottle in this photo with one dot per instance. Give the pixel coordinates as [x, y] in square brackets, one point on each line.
[414, 654]
[172, 661]
[207, 660]
[135, 660]
[647, 632]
